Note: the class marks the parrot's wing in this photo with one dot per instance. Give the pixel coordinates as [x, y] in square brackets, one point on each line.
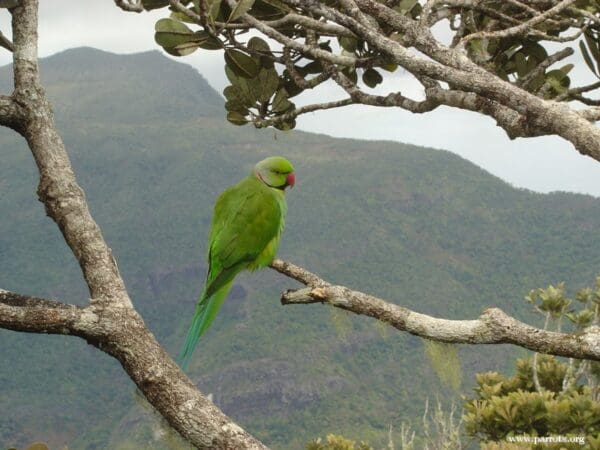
[247, 217]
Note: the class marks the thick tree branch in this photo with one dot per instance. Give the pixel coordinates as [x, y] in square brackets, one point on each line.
[454, 67]
[58, 189]
[492, 327]
[11, 114]
[591, 114]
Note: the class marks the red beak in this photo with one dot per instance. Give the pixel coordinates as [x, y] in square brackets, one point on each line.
[291, 179]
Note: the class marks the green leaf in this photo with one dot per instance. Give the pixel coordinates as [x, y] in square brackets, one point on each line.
[280, 102]
[207, 41]
[479, 48]
[593, 45]
[154, 4]
[405, 6]
[234, 105]
[246, 95]
[556, 74]
[214, 9]
[389, 67]
[285, 126]
[312, 67]
[277, 4]
[242, 7]
[237, 118]
[259, 45]
[181, 17]
[521, 64]
[170, 33]
[587, 58]
[38, 446]
[241, 64]
[371, 77]
[240, 95]
[292, 88]
[9, 3]
[535, 50]
[263, 57]
[349, 44]
[182, 49]
[268, 82]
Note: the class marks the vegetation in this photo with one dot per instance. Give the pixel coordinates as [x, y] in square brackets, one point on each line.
[546, 397]
[509, 407]
[437, 234]
[500, 59]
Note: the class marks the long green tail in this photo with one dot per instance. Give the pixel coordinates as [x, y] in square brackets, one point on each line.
[206, 310]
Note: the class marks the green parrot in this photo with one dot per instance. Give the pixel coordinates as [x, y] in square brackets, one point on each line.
[247, 224]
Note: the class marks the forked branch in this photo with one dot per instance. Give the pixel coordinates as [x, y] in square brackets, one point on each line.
[492, 327]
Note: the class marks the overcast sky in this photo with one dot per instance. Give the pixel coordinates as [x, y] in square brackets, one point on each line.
[541, 164]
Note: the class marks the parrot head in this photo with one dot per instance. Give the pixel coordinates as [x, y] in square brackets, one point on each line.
[276, 172]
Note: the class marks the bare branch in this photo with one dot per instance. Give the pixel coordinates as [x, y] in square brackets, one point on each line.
[513, 123]
[291, 43]
[298, 273]
[36, 315]
[6, 43]
[492, 327]
[393, 99]
[263, 123]
[524, 28]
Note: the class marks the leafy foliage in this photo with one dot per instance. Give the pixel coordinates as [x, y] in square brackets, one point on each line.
[545, 396]
[334, 442]
[510, 406]
[524, 59]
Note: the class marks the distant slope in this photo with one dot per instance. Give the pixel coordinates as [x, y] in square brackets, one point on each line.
[418, 226]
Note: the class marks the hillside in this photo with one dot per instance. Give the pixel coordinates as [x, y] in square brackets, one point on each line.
[421, 227]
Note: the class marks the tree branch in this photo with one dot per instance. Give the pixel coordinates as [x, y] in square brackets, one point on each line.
[36, 315]
[492, 327]
[123, 335]
[263, 123]
[109, 322]
[11, 114]
[523, 28]
[6, 43]
[58, 189]
[591, 114]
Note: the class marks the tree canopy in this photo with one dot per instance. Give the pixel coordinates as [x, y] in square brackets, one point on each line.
[504, 59]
